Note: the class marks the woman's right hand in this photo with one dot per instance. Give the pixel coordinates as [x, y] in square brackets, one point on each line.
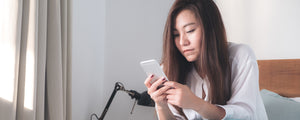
[158, 95]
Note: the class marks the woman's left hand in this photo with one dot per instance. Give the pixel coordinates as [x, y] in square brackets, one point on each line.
[181, 95]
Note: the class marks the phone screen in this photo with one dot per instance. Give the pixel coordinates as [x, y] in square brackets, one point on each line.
[152, 67]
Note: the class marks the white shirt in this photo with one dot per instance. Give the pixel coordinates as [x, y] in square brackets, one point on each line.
[246, 102]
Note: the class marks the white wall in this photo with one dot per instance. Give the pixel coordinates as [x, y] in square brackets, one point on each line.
[109, 39]
[270, 27]
[133, 33]
[88, 35]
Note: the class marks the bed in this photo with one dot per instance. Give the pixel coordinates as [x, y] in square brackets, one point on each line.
[279, 82]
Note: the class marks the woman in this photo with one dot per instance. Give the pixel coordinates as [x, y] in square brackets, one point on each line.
[209, 77]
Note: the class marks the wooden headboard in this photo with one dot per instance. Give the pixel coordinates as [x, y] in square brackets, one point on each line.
[280, 76]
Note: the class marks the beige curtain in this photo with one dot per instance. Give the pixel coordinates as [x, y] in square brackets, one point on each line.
[35, 61]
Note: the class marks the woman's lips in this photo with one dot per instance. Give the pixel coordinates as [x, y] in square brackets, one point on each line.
[187, 50]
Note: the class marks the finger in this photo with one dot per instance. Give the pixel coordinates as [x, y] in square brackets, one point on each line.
[163, 89]
[170, 97]
[160, 98]
[171, 91]
[156, 84]
[172, 84]
[172, 101]
[147, 81]
[159, 93]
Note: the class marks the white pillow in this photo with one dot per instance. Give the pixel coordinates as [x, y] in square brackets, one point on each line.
[296, 99]
[280, 108]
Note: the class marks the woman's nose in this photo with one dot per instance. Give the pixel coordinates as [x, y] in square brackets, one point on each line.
[184, 41]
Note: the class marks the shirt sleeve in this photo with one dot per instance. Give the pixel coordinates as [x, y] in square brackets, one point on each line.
[245, 86]
[175, 113]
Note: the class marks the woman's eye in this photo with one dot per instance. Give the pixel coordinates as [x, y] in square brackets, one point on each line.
[191, 31]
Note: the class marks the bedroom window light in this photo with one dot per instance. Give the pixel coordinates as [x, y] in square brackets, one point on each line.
[30, 73]
[7, 71]
[8, 51]
[29, 76]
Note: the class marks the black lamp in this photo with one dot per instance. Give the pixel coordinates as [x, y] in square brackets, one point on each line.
[143, 99]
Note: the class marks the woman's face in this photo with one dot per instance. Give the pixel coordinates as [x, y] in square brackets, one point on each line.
[187, 35]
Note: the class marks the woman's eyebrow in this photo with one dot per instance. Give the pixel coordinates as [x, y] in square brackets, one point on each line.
[188, 24]
[175, 30]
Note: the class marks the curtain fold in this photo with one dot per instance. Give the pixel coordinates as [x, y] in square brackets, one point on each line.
[41, 63]
[54, 65]
[37, 61]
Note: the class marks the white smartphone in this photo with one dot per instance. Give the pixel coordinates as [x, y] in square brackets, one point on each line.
[152, 67]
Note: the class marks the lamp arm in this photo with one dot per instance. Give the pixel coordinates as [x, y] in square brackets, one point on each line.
[132, 93]
[117, 87]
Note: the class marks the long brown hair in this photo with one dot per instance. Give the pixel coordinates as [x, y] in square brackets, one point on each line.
[214, 57]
